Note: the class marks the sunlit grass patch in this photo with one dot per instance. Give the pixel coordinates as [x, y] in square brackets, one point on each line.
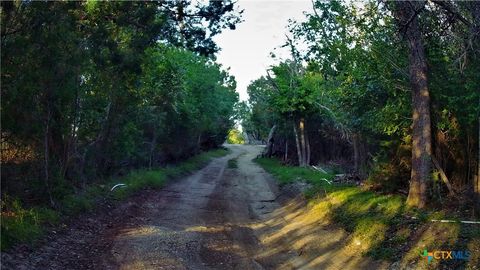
[369, 232]
[289, 174]
[368, 217]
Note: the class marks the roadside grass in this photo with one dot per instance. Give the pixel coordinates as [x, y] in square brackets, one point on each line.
[232, 163]
[21, 224]
[386, 228]
[289, 174]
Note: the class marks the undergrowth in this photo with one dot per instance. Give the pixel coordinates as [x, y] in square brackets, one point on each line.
[20, 224]
[381, 222]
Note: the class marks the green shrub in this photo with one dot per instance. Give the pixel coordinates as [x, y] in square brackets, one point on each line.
[387, 177]
[20, 224]
[74, 204]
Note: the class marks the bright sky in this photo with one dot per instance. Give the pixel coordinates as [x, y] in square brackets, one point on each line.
[246, 50]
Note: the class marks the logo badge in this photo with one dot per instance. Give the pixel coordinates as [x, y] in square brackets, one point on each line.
[427, 255]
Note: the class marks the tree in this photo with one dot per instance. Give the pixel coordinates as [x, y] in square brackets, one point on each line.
[294, 96]
[368, 86]
[88, 91]
[406, 13]
[260, 118]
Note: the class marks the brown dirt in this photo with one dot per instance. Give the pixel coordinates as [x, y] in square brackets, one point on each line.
[217, 218]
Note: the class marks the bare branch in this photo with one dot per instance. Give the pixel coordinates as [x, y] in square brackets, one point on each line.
[272, 81]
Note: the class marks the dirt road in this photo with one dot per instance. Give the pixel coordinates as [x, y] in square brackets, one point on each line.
[222, 217]
[202, 222]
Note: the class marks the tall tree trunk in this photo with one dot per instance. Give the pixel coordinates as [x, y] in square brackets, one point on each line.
[270, 142]
[301, 128]
[199, 142]
[359, 154]
[70, 147]
[153, 145]
[297, 142]
[46, 156]
[286, 151]
[475, 30]
[356, 153]
[406, 13]
[478, 167]
[103, 138]
[307, 141]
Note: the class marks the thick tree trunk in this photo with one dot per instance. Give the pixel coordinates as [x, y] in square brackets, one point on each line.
[406, 13]
[359, 155]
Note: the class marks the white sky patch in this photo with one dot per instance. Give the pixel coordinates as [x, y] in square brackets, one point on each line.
[246, 50]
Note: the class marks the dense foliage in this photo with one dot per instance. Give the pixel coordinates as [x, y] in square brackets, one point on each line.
[235, 137]
[352, 92]
[93, 89]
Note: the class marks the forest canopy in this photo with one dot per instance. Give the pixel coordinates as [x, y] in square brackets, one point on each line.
[388, 89]
[93, 89]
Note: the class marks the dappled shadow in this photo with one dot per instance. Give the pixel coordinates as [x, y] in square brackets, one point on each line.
[317, 244]
[241, 225]
[232, 219]
[375, 226]
[379, 223]
[290, 237]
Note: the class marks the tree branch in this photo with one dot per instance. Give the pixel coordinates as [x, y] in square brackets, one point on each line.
[446, 5]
